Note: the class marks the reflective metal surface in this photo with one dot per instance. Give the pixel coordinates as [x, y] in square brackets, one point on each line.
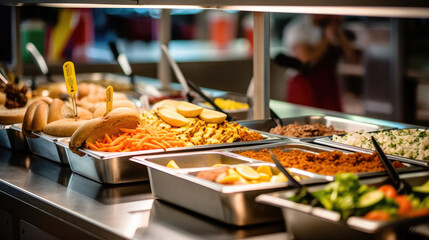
[232, 204]
[127, 211]
[44, 145]
[12, 137]
[300, 217]
[115, 168]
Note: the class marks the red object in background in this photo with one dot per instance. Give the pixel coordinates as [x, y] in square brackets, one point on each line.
[221, 28]
[218, 32]
[300, 91]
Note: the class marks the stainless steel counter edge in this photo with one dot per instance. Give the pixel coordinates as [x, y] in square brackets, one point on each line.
[66, 204]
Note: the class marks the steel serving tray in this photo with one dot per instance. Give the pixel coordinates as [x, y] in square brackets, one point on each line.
[337, 122]
[238, 114]
[114, 168]
[108, 168]
[11, 137]
[314, 148]
[231, 204]
[326, 224]
[44, 145]
[327, 141]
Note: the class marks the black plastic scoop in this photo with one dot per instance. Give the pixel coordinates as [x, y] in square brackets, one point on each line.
[401, 186]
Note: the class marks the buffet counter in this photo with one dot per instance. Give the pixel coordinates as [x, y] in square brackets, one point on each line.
[41, 199]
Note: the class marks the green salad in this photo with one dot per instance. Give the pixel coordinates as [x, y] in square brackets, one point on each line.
[350, 198]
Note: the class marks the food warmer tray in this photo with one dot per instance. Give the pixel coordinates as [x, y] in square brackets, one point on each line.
[327, 141]
[231, 204]
[114, 168]
[11, 137]
[299, 218]
[314, 148]
[238, 114]
[44, 145]
[338, 123]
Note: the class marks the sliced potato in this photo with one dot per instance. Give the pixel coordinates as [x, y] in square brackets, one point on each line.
[173, 118]
[188, 109]
[212, 116]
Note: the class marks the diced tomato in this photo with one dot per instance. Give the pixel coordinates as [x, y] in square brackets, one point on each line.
[404, 203]
[417, 213]
[389, 191]
[377, 215]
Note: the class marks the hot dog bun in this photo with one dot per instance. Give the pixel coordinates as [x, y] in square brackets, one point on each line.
[101, 108]
[110, 124]
[63, 127]
[40, 118]
[55, 110]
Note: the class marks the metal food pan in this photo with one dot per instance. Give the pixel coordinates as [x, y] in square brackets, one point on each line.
[114, 168]
[314, 148]
[337, 122]
[327, 141]
[44, 145]
[196, 160]
[110, 168]
[326, 224]
[11, 137]
[231, 204]
[239, 114]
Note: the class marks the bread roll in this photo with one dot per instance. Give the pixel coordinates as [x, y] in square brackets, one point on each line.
[63, 127]
[96, 128]
[11, 116]
[83, 90]
[40, 118]
[101, 109]
[29, 114]
[68, 112]
[55, 110]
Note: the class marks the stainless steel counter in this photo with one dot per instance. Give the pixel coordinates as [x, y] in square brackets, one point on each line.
[105, 212]
[51, 199]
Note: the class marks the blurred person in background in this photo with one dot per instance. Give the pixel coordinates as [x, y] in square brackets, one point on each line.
[316, 44]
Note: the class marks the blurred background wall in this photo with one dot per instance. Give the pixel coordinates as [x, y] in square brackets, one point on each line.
[214, 49]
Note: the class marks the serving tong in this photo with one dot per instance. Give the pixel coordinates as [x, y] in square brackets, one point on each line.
[401, 186]
[301, 189]
[123, 62]
[40, 62]
[188, 85]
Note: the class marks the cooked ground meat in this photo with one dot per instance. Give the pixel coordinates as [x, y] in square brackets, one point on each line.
[326, 163]
[15, 96]
[306, 130]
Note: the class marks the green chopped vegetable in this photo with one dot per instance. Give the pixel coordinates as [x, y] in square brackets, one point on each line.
[349, 198]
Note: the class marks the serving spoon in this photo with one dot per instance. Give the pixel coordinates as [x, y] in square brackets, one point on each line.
[401, 186]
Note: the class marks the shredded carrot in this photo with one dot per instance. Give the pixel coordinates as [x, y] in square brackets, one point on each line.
[142, 138]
